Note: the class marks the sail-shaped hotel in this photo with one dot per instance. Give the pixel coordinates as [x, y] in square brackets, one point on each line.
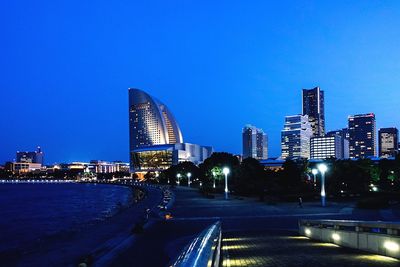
[156, 140]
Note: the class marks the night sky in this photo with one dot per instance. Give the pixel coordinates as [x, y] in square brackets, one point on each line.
[66, 67]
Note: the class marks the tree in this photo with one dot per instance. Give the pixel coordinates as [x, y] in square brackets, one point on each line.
[252, 178]
[218, 161]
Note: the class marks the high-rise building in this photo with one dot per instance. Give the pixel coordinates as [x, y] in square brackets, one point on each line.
[388, 142]
[362, 135]
[324, 147]
[150, 121]
[156, 140]
[295, 137]
[313, 106]
[30, 156]
[345, 137]
[255, 143]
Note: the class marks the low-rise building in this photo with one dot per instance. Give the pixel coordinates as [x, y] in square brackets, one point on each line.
[323, 147]
[160, 157]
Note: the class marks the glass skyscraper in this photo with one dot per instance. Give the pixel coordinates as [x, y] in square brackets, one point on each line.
[255, 143]
[362, 135]
[313, 106]
[295, 137]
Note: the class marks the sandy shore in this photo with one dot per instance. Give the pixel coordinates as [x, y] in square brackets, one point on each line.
[88, 244]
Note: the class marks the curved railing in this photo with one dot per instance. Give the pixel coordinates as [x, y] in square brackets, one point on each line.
[204, 250]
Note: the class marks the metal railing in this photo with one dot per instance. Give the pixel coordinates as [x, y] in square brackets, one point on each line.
[374, 236]
[204, 250]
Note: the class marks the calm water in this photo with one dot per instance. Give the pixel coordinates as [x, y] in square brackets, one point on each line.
[35, 211]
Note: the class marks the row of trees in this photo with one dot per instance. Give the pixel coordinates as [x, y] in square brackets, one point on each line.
[249, 177]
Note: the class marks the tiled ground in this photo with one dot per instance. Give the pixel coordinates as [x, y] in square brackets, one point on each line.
[277, 249]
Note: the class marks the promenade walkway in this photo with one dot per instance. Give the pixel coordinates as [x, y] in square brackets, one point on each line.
[254, 233]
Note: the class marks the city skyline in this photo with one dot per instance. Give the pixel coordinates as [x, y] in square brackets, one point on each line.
[241, 148]
[235, 71]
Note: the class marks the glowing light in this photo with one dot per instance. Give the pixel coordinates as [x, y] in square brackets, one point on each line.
[314, 171]
[330, 245]
[375, 189]
[378, 258]
[392, 246]
[307, 232]
[322, 168]
[335, 237]
[297, 238]
[226, 170]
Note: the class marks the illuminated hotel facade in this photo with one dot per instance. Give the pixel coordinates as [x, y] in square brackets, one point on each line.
[156, 140]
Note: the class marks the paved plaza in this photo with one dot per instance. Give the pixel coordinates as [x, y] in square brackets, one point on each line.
[282, 248]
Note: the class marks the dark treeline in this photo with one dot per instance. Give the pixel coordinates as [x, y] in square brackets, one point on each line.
[294, 179]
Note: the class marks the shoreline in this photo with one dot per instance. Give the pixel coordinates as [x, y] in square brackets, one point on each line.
[93, 240]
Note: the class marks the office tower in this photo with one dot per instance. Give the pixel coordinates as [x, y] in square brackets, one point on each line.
[345, 137]
[295, 137]
[255, 143]
[324, 147]
[362, 142]
[388, 142]
[30, 156]
[313, 106]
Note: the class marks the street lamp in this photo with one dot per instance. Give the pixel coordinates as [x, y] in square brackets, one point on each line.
[225, 170]
[213, 173]
[323, 168]
[189, 175]
[315, 172]
[178, 176]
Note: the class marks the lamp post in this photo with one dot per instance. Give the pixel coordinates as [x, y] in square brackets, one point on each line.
[323, 168]
[213, 173]
[178, 176]
[315, 172]
[188, 176]
[225, 170]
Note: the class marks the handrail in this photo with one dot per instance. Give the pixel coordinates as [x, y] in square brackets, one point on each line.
[204, 250]
[378, 237]
[357, 226]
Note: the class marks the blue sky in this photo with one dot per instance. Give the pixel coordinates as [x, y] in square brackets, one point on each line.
[66, 66]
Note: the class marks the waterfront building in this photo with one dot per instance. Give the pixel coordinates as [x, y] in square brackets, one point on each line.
[160, 157]
[388, 142]
[324, 147]
[30, 156]
[121, 166]
[314, 107]
[295, 137]
[156, 140]
[150, 121]
[255, 143]
[362, 135]
[25, 167]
